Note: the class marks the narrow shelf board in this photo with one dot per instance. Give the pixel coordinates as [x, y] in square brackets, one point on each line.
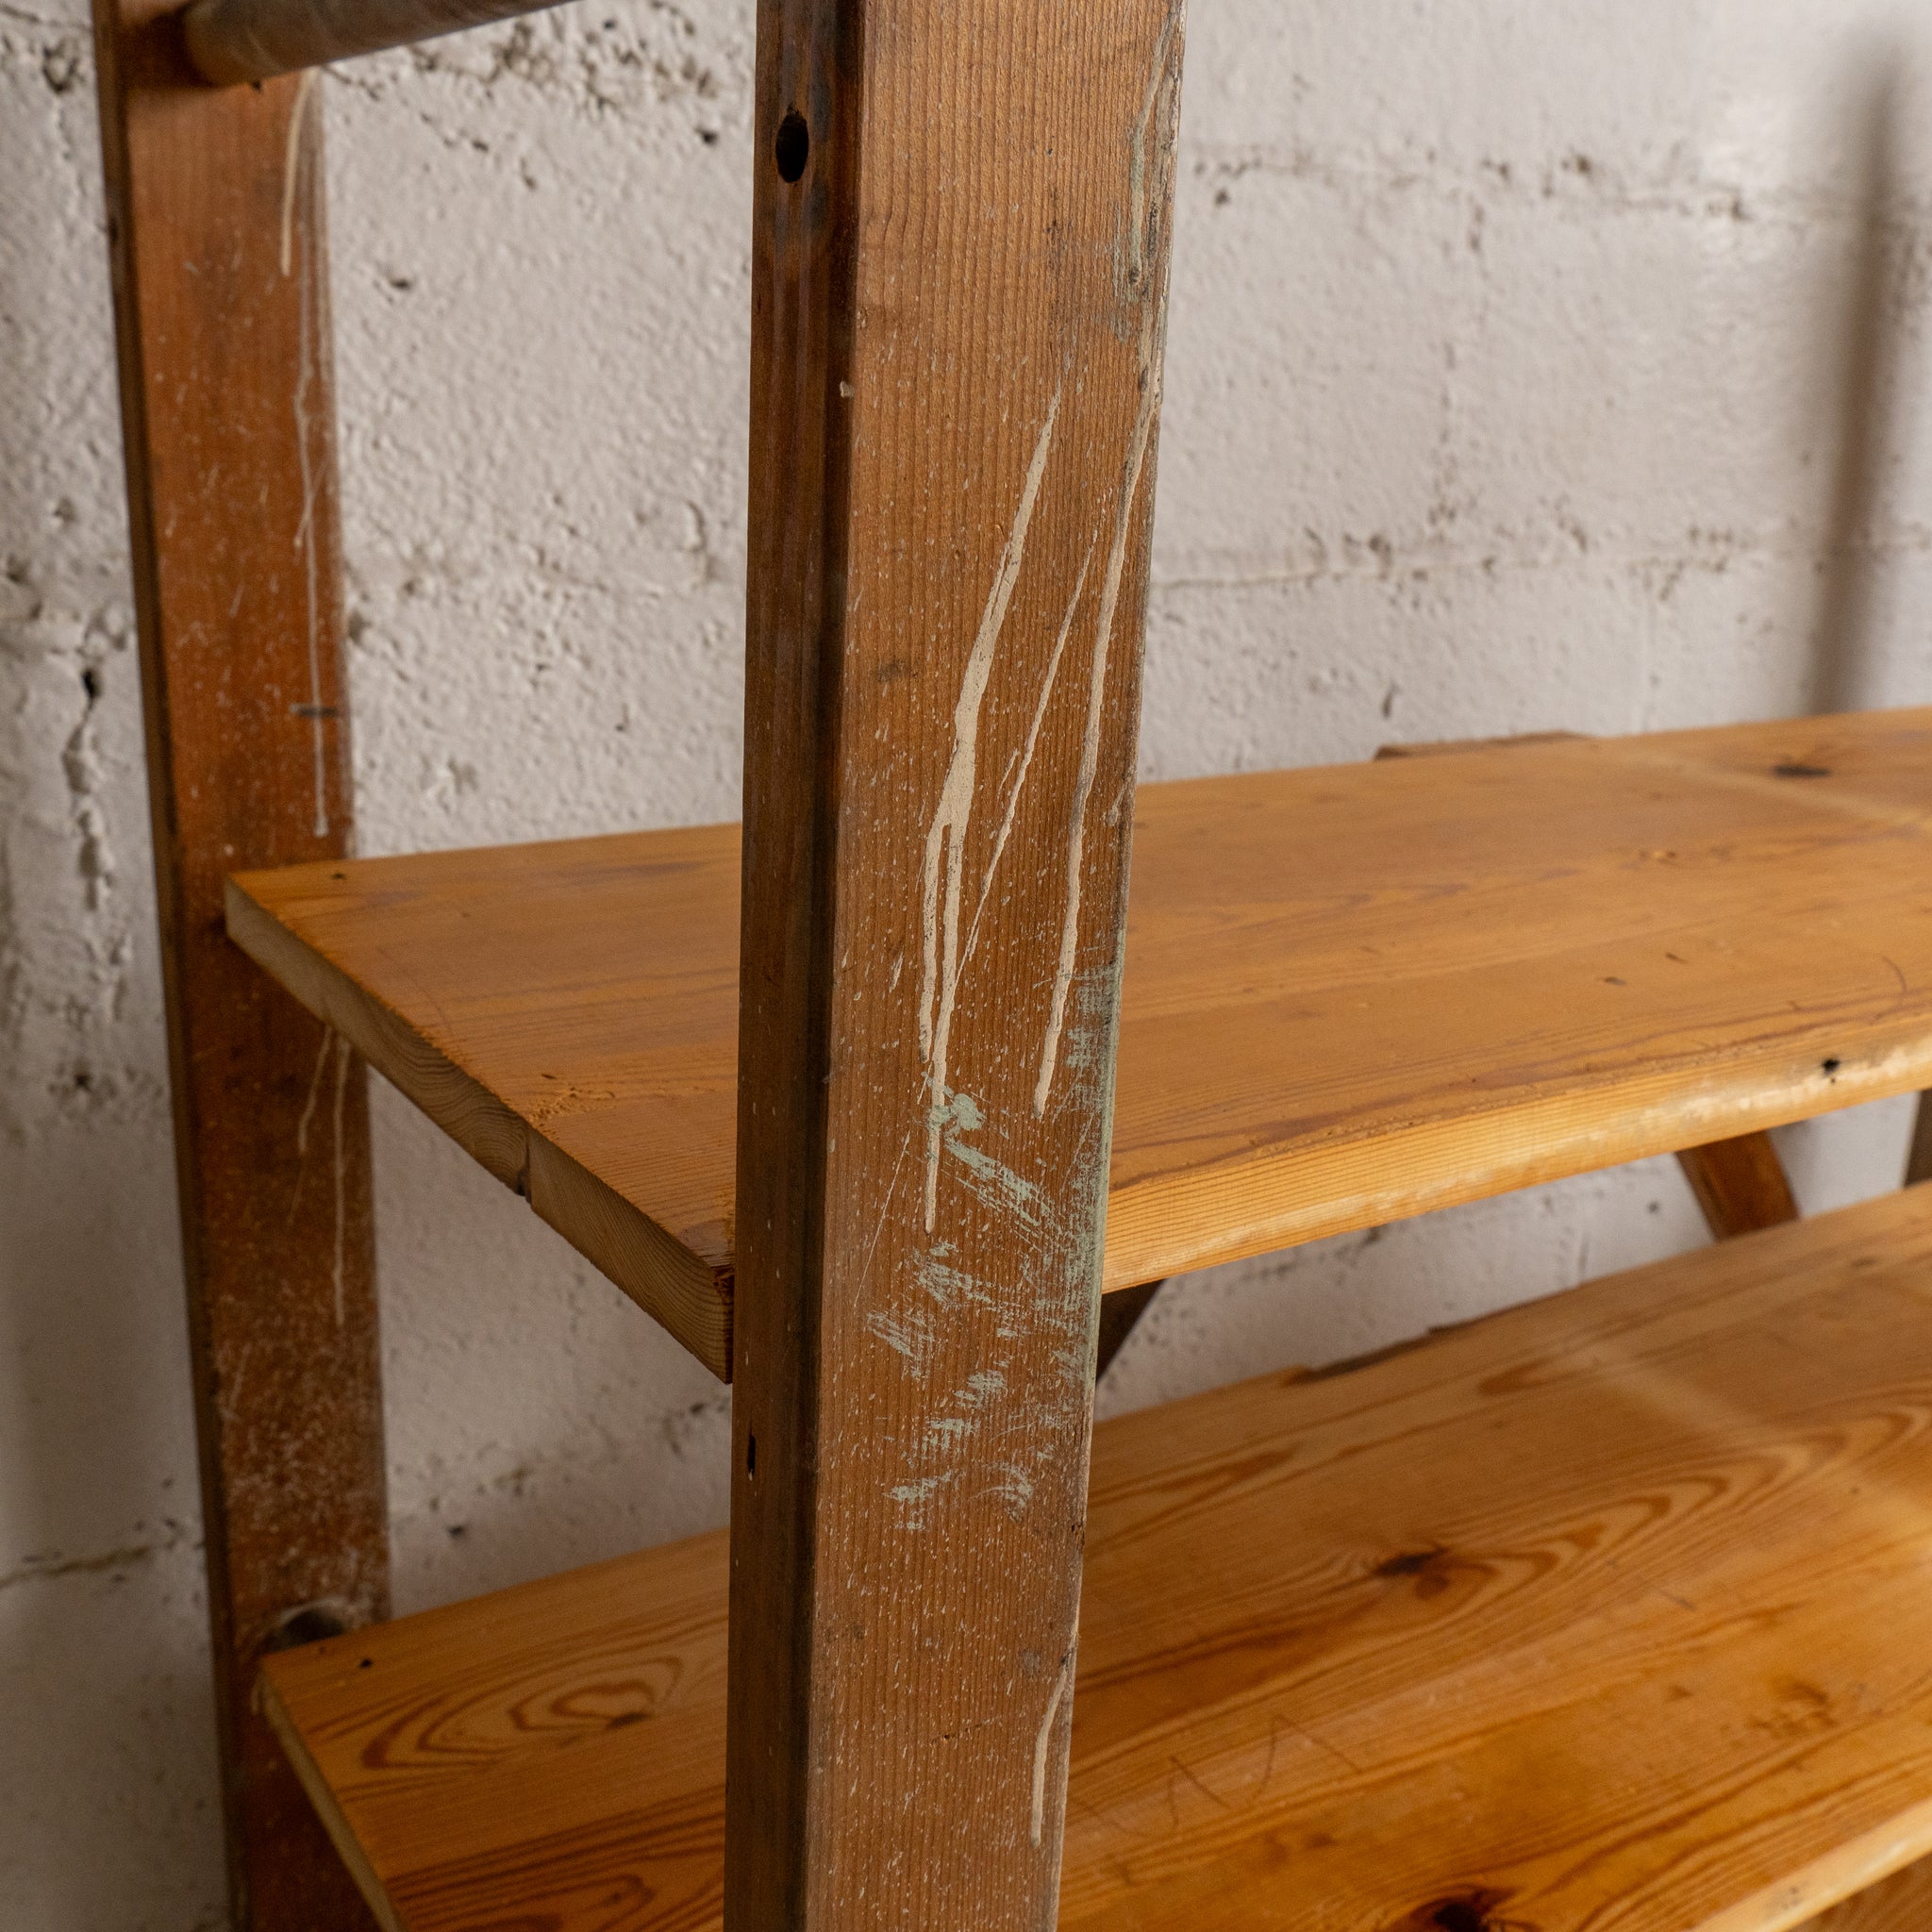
[1352, 993]
[1613, 1610]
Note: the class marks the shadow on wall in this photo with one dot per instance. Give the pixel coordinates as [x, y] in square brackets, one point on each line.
[1869, 385]
[1852, 643]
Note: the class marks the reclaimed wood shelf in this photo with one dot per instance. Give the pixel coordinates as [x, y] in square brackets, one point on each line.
[1352, 993]
[1613, 1609]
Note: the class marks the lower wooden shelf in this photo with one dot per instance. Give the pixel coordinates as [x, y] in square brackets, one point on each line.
[1613, 1611]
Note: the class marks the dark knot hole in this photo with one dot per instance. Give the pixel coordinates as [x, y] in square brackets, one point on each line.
[793, 147]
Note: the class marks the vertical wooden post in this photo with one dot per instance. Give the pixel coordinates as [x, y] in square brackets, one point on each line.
[215, 214]
[1919, 1153]
[960, 276]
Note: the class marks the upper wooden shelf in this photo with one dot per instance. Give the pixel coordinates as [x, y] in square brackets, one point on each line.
[1605, 1612]
[1353, 993]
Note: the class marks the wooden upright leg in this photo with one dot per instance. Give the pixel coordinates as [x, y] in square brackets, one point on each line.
[959, 277]
[215, 206]
[1919, 1156]
[1741, 1185]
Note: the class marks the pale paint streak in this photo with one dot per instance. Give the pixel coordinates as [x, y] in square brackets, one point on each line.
[308, 1120]
[291, 166]
[940, 973]
[1043, 1748]
[1026, 754]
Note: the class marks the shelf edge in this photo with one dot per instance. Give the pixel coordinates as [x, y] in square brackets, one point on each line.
[689, 1299]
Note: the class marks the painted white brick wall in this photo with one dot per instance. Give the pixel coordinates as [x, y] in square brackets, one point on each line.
[1541, 365]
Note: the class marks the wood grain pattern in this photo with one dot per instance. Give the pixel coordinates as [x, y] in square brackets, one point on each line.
[1643, 944]
[1741, 1185]
[1609, 1614]
[960, 276]
[221, 295]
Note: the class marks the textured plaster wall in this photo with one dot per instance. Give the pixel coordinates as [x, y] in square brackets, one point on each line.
[1532, 365]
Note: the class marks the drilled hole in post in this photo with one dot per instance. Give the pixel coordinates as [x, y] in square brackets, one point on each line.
[793, 147]
[751, 1456]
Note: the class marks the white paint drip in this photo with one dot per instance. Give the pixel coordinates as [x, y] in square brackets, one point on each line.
[341, 1174]
[309, 296]
[940, 976]
[307, 1119]
[291, 165]
[1043, 1748]
[1025, 755]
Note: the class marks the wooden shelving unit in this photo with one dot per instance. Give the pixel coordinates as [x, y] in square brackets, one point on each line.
[1609, 1614]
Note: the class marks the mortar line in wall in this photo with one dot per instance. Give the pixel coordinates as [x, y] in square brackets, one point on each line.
[1714, 561]
[123, 1559]
[1553, 182]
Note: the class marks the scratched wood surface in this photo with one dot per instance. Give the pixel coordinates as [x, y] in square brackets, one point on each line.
[1643, 944]
[220, 285]
[1608, 1612]
[959, 280]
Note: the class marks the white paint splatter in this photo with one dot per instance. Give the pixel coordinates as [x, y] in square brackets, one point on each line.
[1042, 1747]
[982, 1386]
[1007, 1192]
[910, 1336]
[291, 165]
[303, 1125]
[912, 1497]
[940, 971]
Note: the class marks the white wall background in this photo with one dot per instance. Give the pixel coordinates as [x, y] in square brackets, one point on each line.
[1532, 364]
